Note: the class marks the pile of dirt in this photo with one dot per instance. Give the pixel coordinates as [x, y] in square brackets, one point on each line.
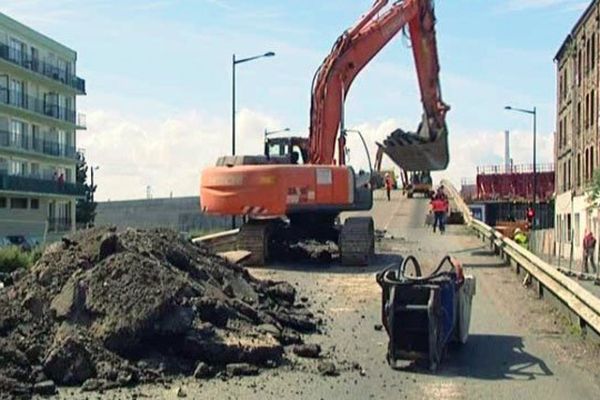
[105, 309]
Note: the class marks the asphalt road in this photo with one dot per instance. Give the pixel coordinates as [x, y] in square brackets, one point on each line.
[518, 348]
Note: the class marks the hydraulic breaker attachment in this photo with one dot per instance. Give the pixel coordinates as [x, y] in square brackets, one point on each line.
[422, 314]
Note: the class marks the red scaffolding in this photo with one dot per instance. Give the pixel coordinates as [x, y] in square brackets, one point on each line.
[515, 183]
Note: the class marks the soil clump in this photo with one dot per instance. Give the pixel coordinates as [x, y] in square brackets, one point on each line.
[104, 309]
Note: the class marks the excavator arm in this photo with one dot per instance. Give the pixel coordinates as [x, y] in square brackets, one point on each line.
[353, 51]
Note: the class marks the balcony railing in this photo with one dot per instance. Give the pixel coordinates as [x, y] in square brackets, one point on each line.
[40, 146]
[35, 184]
[16, 98]
[41, 67]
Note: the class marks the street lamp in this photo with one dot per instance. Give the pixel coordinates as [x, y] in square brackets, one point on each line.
[92, 169]
[534, 113]
[362, 139]
[235, 62]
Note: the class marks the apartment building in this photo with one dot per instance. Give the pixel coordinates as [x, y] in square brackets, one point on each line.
[577, 138]
[38, 126]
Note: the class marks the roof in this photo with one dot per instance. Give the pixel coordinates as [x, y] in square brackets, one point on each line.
[36, 36]
[574, 31]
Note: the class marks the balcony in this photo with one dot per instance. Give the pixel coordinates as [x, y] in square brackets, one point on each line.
[41, 67]
[40, 106]
[34, 184]
[38, 146]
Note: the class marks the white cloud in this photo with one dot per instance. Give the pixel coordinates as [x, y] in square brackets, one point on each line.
[470, 150]
[167, 155]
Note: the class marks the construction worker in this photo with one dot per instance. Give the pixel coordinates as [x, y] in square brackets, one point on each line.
[441, 194]
[388, 185]
[520, 238]
[589, 245]
[439, 206]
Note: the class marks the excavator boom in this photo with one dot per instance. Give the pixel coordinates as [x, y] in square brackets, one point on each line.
[352, 52]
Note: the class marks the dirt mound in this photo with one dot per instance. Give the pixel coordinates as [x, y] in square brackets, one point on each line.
[104, 309]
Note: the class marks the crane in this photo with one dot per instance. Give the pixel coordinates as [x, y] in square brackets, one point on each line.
[298, 188]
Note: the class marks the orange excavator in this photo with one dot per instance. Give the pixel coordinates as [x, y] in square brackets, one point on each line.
[298, 188]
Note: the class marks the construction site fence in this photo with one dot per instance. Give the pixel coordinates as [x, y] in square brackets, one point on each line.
[546, 278]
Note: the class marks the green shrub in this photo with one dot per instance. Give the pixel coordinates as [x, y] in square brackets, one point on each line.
[12, 258]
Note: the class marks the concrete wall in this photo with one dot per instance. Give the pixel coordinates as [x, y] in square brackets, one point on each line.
[28, 222]
[181, 213]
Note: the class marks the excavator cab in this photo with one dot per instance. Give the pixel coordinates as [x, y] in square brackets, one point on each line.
[286, 150]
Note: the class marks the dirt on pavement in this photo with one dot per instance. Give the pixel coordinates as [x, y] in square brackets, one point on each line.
[105, 309]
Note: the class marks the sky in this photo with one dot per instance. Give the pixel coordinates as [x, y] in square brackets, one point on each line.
[158, 77]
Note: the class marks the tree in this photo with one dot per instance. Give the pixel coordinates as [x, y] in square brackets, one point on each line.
[86, 206]
[594, 196]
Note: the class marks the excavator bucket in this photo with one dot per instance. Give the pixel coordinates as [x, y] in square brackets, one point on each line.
[417, 151]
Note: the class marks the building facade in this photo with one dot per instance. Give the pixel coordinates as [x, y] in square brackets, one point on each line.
[577, 131]
[38, 126]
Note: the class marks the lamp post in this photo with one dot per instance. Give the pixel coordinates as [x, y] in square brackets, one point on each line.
[235, 62]
[534, 114]
[92, 168]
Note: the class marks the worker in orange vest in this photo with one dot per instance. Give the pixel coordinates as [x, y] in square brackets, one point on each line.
[388, 186]
[439, 206]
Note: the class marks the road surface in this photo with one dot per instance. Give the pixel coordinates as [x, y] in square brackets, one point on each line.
[518, 348]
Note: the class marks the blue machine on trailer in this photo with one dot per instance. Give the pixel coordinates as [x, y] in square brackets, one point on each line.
[423, 314]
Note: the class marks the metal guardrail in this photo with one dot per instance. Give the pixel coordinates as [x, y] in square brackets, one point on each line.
[580, 301]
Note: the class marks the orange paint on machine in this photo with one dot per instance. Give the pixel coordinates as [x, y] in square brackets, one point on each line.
[274, 190]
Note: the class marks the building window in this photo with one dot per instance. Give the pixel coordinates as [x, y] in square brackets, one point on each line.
[593, 49]
[587, 165]
[560, 128]
[579, 67]
[34, 204]
[578, 169]
[569, 230]
[2, 202]
[15, 50]
[576, 233]
[19, 203]
[592, 162]
[569, 175]
[587, 111]
[18, 134]
[592, 107]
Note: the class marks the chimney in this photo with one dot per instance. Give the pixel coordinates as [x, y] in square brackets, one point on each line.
[507, 160]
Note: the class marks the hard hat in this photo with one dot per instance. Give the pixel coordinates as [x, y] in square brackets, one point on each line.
[518, 230]
[387, 174]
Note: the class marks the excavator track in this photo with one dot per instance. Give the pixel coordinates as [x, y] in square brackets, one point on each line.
[254, 237]
[357, 241]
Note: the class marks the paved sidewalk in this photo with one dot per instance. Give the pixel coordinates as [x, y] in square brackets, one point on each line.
[588, 281]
